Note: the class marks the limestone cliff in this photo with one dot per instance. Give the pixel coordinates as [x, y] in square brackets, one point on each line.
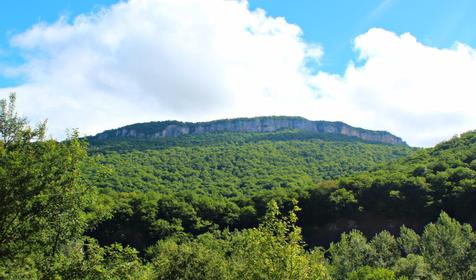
[259, 125]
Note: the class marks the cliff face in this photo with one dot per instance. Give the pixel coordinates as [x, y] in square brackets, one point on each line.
[260, 125]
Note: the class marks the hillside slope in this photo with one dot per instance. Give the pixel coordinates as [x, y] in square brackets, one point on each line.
[159, 187]
[232, 164]
[443, 177]
[196, 183]
[412, 191]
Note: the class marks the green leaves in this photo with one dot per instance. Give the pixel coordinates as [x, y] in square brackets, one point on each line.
[41, 191]
[369, 273]
[274, 250]
[350, 253]
[447, 247]
[384, 250]
[15, 129]
[446, 250]
[234, 167]
[408, 241]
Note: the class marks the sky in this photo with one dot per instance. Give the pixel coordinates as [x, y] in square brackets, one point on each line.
[408, 67]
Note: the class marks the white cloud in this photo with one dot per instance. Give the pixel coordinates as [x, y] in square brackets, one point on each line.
[200, 60]
[423, 94]
[152, 60]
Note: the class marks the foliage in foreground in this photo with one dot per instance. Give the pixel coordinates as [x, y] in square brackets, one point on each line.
[274, 250]
[445, 250]
[41, 193]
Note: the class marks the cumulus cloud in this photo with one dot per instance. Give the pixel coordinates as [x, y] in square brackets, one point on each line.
[197, 60]
[153, 60]
[422, 93]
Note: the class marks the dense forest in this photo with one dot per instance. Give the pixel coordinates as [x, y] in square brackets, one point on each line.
[281, 205]
[234, 164]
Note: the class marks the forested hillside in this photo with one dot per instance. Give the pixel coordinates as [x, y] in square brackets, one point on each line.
[217, 180]
[420, 185]
[408, 192]
[228, 182]
[233, 164]
[283, 205]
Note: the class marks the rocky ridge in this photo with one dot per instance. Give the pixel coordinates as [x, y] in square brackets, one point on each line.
[154, 130]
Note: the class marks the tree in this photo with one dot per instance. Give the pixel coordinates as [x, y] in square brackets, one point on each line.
[414, 267]
[350, 253]
[448, 247]
[408, 241]
[41, 190]
[369, 273]
[15, 129]
[384, 250]
[85, 259]
[275, 250]
[189, 260]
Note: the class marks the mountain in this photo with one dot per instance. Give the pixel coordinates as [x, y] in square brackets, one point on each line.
[172, 129]
[239, 156]
[222, 174]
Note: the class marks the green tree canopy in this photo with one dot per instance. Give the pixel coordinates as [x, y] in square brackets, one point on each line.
[41, 191]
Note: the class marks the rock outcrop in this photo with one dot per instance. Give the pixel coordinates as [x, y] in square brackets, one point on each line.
[154, 130]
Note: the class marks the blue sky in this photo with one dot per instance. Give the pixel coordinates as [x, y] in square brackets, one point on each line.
[333, 24]
[336, 23]
[17, 16]
[407, 67]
